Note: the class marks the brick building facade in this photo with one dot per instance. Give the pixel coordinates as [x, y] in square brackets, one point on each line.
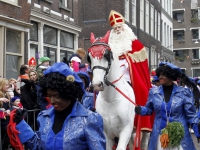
[186, 43]
[36, 28]
[93, 17]
[14, 27]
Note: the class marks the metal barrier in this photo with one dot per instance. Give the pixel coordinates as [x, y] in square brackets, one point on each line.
[30, 119]
[32, 116]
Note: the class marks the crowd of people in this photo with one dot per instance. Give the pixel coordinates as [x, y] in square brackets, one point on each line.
[63, 97]
[25, 93]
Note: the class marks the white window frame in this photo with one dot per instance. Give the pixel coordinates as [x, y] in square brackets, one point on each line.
[19, 54]
[126, 16]
[64, 3]
[195, 58]
[134, 12]
[14, 2]
[142, 14]
[196, 68]
[158, 26]
[152, 20]
[147, 17]
[152, 57]
[155, 59]
[170, 7]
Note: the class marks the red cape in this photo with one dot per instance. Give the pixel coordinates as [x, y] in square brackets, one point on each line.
[140, 80]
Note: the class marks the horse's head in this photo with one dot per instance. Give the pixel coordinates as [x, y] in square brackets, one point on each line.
[100, 57]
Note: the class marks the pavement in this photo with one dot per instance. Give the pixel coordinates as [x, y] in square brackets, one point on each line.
[197, 145]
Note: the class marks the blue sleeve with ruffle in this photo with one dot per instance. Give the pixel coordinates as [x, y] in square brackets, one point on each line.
[95, 137]
[148, 108]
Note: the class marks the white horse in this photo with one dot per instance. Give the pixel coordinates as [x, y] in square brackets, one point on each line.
[117, 112]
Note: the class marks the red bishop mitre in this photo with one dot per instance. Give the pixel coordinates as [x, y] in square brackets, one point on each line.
[115, 18]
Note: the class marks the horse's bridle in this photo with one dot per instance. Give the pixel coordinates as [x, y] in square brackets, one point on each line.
[108, 59]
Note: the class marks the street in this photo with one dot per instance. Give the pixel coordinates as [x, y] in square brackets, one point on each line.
[197, 145]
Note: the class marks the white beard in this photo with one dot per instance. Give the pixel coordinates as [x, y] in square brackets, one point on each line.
[121, 43]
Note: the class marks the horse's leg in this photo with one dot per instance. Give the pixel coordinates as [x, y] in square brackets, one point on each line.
[124, 138]
[109, 144]
[145, 139]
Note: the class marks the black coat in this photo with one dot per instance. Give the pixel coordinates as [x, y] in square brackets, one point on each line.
[29, 95]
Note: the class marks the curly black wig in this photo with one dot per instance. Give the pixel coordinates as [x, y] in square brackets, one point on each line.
[176, 74]
[168, 72]
[55, 81]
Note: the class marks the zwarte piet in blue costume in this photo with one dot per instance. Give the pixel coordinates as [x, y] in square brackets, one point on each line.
[171, 103]
[67, 125]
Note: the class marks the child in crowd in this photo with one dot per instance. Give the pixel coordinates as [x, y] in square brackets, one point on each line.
[76, 59]
[43, 66]
[16, 103]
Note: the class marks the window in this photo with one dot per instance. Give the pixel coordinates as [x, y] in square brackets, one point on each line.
[142, 14]
[12, 65]
[159, 26]
[126, 16]
[195, 33]
[13, 41]
[50, 35]
[178, 16]
[34, 32]
[64, 3]
[51, 53]
[13, 53]
[179, 35]
[164, 35]
[66, 39]
[181, 55]
[34, 52]
[153, 59]
[156, 24]
[147, 17]
[11, 1]
[170, 8]
[65, 54]
[152, 20]
[196, 72]
[195, 53]
[194, 13]
[134, 12]
[167, 37]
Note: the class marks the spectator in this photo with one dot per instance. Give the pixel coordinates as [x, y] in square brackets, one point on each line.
[5, 106]
[16, 103]
[24, 70]
[75, 60]
[29, 96]
[66, 125]
[43, 66]
[41, 100]
[16, 90]
[88, 98]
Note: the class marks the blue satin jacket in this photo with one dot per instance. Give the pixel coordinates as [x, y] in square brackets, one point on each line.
[82, 130]
[180, 108]
[88, 100]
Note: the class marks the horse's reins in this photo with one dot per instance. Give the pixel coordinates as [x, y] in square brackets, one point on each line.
[137, 137]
